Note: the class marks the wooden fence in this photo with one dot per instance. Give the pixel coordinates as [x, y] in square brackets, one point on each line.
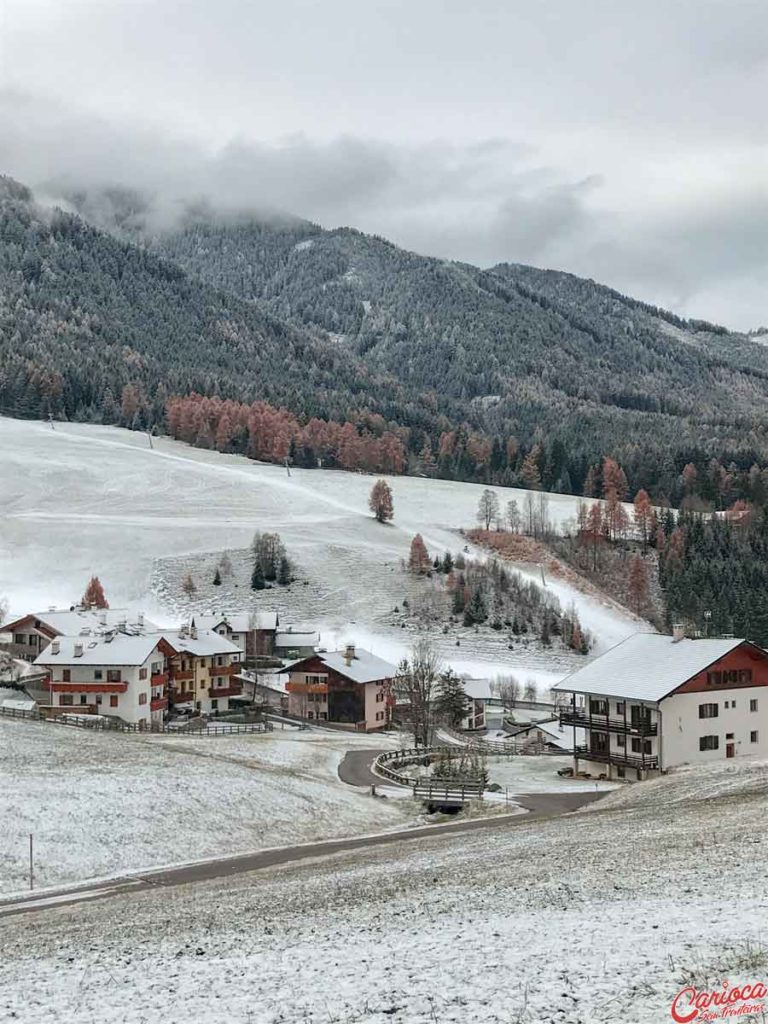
[104, 724]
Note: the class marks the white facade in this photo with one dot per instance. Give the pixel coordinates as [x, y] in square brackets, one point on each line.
[736, 725]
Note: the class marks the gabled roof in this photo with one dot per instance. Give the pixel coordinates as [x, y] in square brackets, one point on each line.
[99, 650]
[239, 622]
[288, 639]
[71, 621]
[364, 667]
[206, 643]
[646, 666]
[555, 734]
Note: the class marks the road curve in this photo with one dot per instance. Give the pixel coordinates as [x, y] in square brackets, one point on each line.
[540, 806]
[355, 769]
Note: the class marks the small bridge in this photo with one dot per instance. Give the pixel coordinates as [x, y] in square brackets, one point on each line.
[446, 795]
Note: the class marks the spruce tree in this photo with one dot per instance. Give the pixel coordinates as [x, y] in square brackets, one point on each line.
[257, 577]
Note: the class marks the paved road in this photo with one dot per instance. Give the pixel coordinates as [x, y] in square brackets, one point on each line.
[541, 806]
[355, 769]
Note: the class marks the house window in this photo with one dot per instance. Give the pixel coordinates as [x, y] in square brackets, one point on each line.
[621, 740]
[753, 704]
[709, 710]
[83, 698]
[714, 678]
[598, 707]
[66, 698]
[143, 698]
[621, 707]
[66, 675]
[215, 703]
[113, 675]
[98, 698]
[709, 743]
[745, 675]
[753, 736]
[729, 735]
[641, 717]
[620, 772]
[113, 700]
[98, 674]
[641, 746]
[310, 714]
[142, 673]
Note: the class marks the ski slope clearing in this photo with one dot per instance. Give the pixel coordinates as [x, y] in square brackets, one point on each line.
[101, 804]
[80, 499]
[597, 918]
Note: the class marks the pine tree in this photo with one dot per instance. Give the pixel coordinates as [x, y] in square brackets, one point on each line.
[447, 563]
[94, 594]
[284, 572]
[217, 578]
[257, 577]
[475, 610]
[452, 701]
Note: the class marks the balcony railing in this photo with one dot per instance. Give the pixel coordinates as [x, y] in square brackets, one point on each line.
[159, 678]
[185, 674]
[604, 723]
[158, 704]
[59, 686]
[182, 696]
[648, 761]
[225, 670]
[292, 687]
[225, 691]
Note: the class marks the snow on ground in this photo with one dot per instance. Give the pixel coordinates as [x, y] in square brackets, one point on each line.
[596, 918]
[100, 804]
[80, 499]
[538, 774]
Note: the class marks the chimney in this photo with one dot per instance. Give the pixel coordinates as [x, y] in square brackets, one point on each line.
[55, 647]
[78, 650]
[103, 617]
[122, 624]
[193, 630]
[678, 632]
[349, 653]
[141, 618]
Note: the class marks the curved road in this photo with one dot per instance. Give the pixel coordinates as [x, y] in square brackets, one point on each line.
[354, 766]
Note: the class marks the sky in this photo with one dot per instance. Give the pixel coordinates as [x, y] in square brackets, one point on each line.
[623, 140]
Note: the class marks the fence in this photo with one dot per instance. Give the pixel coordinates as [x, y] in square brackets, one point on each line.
[389, 763]
[99, 724]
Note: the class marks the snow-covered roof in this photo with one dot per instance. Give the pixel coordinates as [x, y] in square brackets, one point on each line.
[71, 621]
[122, 649]
[18, 704]
[557, 735]
[205, 643]
[289, 639]
[364, 667]
[478, 689]
[239, 622]
[646, 666]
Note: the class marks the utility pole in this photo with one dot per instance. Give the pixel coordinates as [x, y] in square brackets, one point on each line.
[31, 864]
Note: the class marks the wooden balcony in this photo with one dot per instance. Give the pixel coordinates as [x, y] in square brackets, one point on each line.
[186, 676]
[225, 691]
[650, 762]
[225, 670]
[292, 687]
[159, 678]
[582, 719]
[158, 704]
[181, 697]
[57, 686]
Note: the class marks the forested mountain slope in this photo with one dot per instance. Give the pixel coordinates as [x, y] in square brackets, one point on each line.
[477, 369]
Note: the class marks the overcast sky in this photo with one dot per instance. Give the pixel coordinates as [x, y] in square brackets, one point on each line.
[623, 140]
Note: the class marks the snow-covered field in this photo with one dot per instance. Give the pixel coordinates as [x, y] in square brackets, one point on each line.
[82, 499]
[100, 804]
[538, 774]
[597, 918]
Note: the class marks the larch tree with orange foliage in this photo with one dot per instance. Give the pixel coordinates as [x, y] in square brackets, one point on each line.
[94, 594]
[380, 501]
[418, 560]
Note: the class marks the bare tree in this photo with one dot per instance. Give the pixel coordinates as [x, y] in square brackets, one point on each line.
[531, 692]
[508, 688]
[488, 508]
[514, 520]
[416, 689]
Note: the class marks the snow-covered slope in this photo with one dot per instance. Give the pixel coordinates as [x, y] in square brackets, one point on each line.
[80, 499]
[597, 918]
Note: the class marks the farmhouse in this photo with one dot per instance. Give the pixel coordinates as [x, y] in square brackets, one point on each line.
[108, 674]
[350, 686]
[32, 633]
[253, 632]
[654, 702]
[202, 667]
[290, 643]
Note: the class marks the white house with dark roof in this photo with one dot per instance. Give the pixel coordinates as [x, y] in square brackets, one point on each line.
[110, 673]
[654, 702]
